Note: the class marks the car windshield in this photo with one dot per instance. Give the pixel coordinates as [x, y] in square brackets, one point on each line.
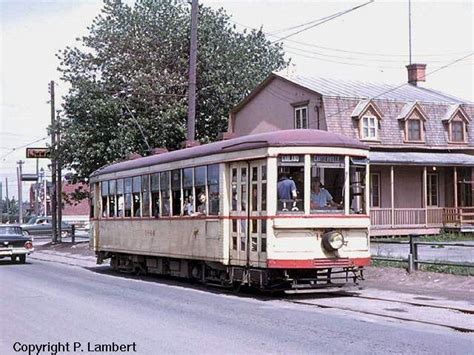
[10, 230]
[32, 220]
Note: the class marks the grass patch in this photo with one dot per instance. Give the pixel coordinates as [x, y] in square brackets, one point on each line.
[442, 269]
[448, 269]
[386, 263]
[442, 237]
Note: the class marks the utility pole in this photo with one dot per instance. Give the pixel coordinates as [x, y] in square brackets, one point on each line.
[19, 171]
[37, 188]
[191, 130]
[59, 182]
[53, 165]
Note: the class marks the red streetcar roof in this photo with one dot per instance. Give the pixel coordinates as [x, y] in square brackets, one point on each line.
[281, 138]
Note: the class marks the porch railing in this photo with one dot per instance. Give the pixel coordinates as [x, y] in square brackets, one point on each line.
[419, 217]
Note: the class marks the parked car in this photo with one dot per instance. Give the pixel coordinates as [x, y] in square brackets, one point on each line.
[14, 244]
[44, 226]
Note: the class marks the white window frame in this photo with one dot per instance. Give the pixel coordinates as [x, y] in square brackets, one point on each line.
[299, 120]
[372, 123]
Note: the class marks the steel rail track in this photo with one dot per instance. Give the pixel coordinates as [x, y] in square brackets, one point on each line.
[458, 329]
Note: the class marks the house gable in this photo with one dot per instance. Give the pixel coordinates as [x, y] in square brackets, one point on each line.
[273, 105]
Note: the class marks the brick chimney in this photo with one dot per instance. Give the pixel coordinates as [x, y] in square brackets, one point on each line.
[416, 73]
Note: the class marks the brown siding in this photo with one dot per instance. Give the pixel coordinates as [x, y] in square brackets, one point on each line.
[271, 109]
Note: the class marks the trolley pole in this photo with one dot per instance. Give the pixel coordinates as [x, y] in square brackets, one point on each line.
[191, 130]
[53, 166]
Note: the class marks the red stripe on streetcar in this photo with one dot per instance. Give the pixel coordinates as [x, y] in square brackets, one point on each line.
[317, 263]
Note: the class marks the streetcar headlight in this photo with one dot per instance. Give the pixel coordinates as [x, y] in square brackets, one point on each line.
[333, 240]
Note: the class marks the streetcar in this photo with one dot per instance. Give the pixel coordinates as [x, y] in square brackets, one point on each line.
[218, 213]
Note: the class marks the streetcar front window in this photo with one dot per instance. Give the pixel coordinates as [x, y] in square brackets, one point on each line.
[358, 167]
[327, 184]
[290, 185]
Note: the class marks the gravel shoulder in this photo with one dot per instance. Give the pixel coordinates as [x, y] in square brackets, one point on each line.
[453, 287]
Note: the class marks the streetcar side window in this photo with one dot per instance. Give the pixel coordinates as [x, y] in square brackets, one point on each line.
[104, 194]
[327, 184]
[128, 196]
[146, 196]
[112, 197]
[165, 193]
[91, 201]
[136, 192]
[213, 188]
[200, 189]
[176, 192]
[120, 199]
[155, 195]
[290, 185]
[188, 195]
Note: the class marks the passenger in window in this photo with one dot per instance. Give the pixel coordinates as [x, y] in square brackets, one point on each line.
[287, 192]
[320, 197]
[202, 204]
[188, 207]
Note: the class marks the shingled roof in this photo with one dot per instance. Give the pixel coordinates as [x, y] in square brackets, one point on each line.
[369, 90]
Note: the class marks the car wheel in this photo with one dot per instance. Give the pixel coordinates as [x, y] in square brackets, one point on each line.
[22, 258]
[65, 234]
[13, 258]
[26, 233]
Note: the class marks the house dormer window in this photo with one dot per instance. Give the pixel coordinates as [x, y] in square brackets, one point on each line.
[457, 131]
[413, 119]
[369, 116]
[456, 120]
[369, 127]
[414, 130]
[301, 117]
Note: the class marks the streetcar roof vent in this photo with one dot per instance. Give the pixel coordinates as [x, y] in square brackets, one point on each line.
[157, 151]
[134, 156]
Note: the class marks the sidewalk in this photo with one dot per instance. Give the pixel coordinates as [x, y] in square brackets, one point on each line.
[452, 287]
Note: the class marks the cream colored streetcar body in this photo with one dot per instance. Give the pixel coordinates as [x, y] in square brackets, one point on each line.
[279, 210]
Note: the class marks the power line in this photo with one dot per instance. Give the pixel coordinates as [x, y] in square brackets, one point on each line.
[22, 146]
[362, 53]
[329, 18]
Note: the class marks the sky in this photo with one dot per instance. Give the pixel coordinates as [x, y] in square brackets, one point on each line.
[368, 44]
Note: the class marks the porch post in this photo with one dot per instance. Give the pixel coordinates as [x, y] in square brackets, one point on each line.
[347, 200]
[392, 193]
[425, 194]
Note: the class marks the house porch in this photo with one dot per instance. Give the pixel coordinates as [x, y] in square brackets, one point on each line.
[421, 193]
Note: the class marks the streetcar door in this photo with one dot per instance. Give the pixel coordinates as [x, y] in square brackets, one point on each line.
[247, 213]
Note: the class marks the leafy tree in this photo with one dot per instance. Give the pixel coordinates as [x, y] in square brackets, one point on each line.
[131, 71]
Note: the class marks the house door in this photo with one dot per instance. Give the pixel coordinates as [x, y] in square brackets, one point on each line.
[248, 213]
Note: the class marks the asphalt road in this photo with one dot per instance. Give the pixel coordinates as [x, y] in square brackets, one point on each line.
[45, 302]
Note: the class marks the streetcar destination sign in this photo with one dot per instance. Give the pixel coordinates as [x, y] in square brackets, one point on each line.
[38, 153]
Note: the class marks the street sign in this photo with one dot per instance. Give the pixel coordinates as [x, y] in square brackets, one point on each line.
[38, 153]
[29, 177]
